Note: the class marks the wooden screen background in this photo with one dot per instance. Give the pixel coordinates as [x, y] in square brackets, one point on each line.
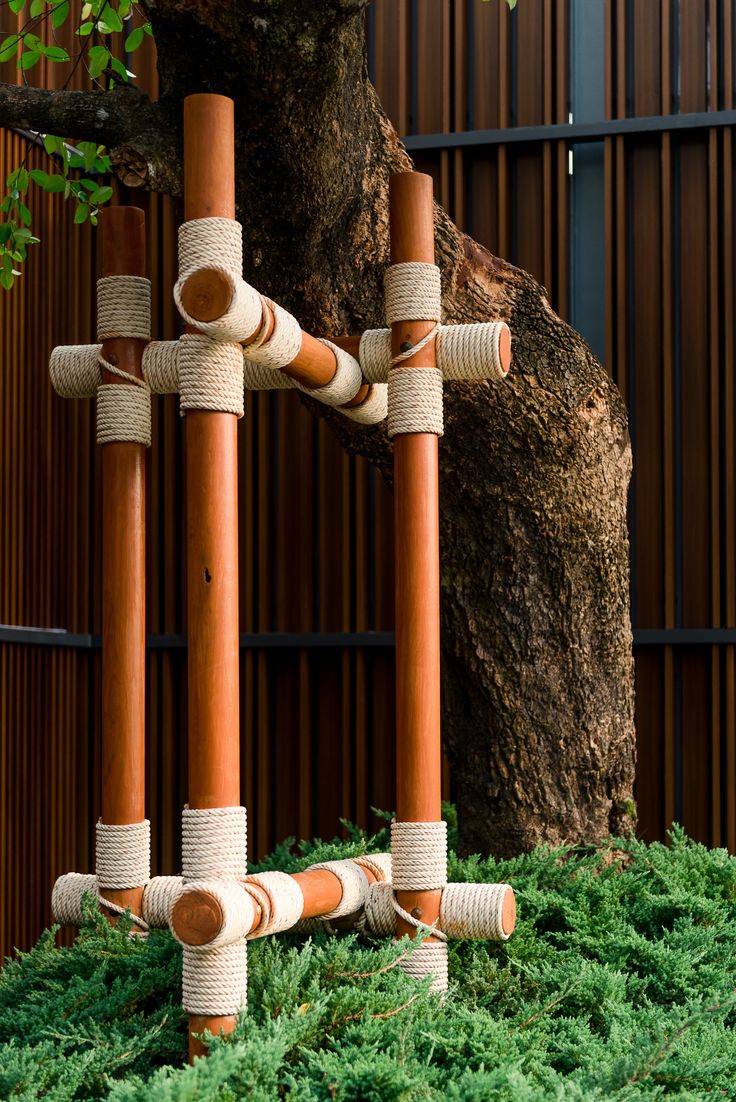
[316, 525]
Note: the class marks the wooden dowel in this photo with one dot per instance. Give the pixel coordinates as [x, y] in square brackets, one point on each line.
[416, 512]
[123, 570]
[197, 916]
[206, 295]
[212, 519]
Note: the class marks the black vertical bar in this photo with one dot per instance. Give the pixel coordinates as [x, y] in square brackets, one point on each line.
[678, 488]
[630, 41]
[414, 66]
[631, 385]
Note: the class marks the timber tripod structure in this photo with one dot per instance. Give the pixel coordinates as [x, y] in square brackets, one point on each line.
[234, 339]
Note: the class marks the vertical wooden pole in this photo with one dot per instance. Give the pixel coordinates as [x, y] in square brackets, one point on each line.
[416, 511]
[212, 520]
[123, 570]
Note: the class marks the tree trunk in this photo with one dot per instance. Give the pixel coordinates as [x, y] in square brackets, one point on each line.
[538, 672]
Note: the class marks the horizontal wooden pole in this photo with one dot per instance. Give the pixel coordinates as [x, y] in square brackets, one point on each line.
[351, 344]
[197, 916]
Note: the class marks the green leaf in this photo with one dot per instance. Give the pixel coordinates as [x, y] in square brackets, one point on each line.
[80, 214]
[148, 29]
[6, 230]
[9, 46]
[24, 213]
[6, 280]
[100, 196]
[55, 53]
[134, 39]
[28, 59]
[119, 68]
[89, 185]
[111, 22]
[84, 29]
[60, 14]
[21, 180]
[37, 7]
[39, 177]
[16, 6]
[33, 42]
[99, 57]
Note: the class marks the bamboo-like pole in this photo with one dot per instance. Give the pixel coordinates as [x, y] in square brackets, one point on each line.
[212, 521]
[123, 570]
[416, 513]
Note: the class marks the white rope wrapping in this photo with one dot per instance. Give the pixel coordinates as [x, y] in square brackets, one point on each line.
[215, 981]
[373, 409]
[123, 307]
[237, 911]
[418, 856]
[354, 884]
[74, 370]
[123, 414]
[429, 958]
[462, 351]
[123, 854]
[413, 292]
[415, 400]
[377, 863]
[213, 843]
[344, 384]
[160, 365]
[159, 896]
[210, 374]
[474, 911]
[280, 898]
[282, 346]
[217, 243]
[66, 897]
[380, 917]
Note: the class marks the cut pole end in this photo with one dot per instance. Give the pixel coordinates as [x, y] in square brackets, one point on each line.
[197, 917]
[504, 348]
[207, 294]
[508, 912]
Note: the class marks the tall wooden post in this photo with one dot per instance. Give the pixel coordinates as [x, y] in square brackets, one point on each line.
[123, 570]
[212, 520]
[416, 512]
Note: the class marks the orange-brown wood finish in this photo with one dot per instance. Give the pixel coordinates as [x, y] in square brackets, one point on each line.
[416, 517]
[123, 570]
[212, 518]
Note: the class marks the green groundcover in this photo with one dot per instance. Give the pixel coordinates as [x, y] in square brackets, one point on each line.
[618, 983]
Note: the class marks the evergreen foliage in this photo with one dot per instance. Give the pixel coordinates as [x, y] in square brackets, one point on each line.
[618, 983]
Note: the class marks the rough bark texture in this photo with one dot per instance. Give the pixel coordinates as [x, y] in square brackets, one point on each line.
[538, 677]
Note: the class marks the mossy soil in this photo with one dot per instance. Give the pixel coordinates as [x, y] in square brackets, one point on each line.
[619, 982]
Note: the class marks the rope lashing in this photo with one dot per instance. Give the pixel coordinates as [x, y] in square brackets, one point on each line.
[462, 352]
[214, 843]
[377, 863]
[210, 374]
[474, 911]
[215, 981]
[123, 412]
[415, 400]
[123, 307]
[413, 292]
[354, 884]
[160, 366]
[217, 243]
[283, 344]
[280, 899]
[236, 906]
[371, 411]
[123, 854]
[214, 848]
[74, 370]
[159, 896]
[418, 856]
[428, 958]
[66, 897]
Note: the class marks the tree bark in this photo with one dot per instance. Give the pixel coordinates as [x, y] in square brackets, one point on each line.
[538, 671]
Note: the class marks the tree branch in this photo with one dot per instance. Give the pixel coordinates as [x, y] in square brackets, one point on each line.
[144, 138]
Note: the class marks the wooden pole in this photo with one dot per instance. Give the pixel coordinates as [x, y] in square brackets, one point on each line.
[212, 521]
[123, 570]
[416, 513]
